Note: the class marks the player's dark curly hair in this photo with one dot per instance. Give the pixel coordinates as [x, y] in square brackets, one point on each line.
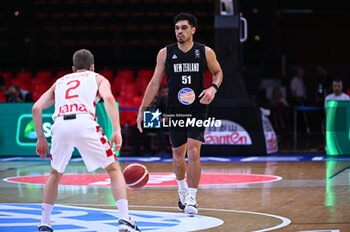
[192, 20]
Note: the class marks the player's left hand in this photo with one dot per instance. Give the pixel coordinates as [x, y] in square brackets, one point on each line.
[139, 120]
[42, 147]
[117, 139]
[207, 95]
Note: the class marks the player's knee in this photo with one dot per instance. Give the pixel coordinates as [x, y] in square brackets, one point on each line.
[193, 158]
[193, 152]
[179, 153]
[55, 173]
[178, 157]
[113, 167]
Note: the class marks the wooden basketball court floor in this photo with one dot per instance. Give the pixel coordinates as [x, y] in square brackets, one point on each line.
[309, 196]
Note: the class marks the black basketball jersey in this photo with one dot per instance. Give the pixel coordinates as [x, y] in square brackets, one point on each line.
[185, 77]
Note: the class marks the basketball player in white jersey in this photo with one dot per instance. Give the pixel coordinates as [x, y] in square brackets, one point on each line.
[75, 96]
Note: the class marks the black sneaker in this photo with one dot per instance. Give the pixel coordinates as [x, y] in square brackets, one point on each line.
[182, 199]
[127, 226]
[44, 227]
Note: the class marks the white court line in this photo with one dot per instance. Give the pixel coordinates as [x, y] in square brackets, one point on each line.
[317, 158]
[249, 159]
[217, 159]
[285, 221]
[10, 159]
[319, 231]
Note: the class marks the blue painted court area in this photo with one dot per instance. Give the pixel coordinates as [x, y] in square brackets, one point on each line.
[273, 158]
[26, 217]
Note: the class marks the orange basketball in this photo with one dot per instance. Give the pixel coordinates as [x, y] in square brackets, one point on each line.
[136, 175]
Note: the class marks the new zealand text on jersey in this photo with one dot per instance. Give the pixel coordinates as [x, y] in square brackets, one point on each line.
[186, 67]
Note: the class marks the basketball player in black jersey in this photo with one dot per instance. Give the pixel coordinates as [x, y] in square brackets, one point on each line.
[185, 64]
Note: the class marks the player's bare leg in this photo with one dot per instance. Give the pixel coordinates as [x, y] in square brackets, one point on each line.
[179, 165]
[193, 174]
[194, 163]
[51, 187]
[119, 192]
[50, 196]
[118, 187]
[118, 184]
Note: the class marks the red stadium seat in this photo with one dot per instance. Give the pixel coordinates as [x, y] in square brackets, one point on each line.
[164, 80]
[39, 82]
[2, 96]
[130, 115]
[122, 118]
[208, 79]
[122, 113]
[23, 80]
[107, 73]
[44, 75]
[8, 77]
[128, 91]
[137, 101]
[39, 90]
[118, 84]
[144, 74]
[22, 83]
[126, 74]
[25, 75]
[61, 73]
[141, 86]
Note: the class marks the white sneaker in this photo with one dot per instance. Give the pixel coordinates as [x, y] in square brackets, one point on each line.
[182, 199]
[191, 205]
[127, 226]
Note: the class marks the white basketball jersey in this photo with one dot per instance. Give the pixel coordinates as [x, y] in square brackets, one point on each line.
[76, 93]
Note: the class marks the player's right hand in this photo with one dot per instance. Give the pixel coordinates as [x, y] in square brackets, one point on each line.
[42, 147]
[116, 140]
[139, 120]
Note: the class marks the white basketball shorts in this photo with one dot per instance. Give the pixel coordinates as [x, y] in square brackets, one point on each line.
[87, 136]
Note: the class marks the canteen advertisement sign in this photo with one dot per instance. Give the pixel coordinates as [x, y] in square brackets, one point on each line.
[25, 133]
[229, 133]
[17, 132]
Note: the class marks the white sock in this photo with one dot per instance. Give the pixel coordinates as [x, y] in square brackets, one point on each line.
[182, 184]
[123, 208]
[192, 192]
[46, 210]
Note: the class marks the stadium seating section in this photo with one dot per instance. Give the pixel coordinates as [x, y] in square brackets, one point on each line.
[128, 86]
[119, 32]
[124, 35]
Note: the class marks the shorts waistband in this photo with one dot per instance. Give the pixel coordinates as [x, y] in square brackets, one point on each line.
[68, 117]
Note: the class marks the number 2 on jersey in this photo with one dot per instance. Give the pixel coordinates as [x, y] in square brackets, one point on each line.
[75, 84]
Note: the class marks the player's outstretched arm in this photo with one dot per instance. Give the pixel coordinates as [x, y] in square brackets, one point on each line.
[45, 101]
[105, 92]
[153, 86]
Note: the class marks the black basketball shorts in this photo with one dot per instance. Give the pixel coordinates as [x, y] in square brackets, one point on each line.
[179, 135]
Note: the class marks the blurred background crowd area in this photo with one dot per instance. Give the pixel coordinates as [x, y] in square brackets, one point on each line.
[39, 37]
